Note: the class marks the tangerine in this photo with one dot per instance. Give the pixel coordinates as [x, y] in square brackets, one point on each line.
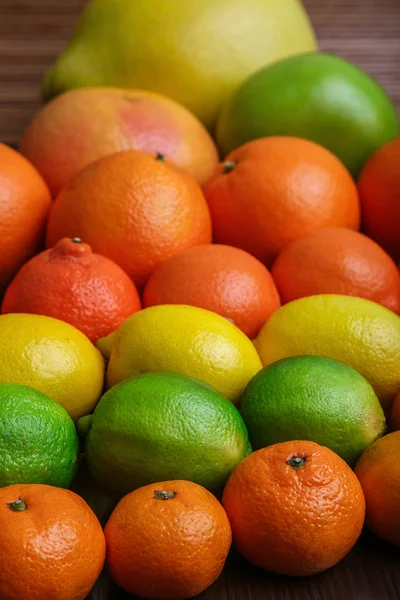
[24, 203]
[51, 546]
[223, 279]
[378, 470]
[295, 508]
[379, 187]
[71, 283]
[337, 261]
[167, 540]
[273, 190]
[134, 208]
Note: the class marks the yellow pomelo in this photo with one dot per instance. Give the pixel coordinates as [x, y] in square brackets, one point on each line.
[356, 332]
[182, 339]
[52, 357]
[195, 51]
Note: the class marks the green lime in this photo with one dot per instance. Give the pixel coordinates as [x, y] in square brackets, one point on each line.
[38, 439]
[318, 97]
[313, 398]
[163, 426]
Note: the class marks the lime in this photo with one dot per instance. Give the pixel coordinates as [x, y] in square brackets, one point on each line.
[357, 332]
[313, 398]
[182, 339]
[38, 439]
[162, 426]
[318, 97]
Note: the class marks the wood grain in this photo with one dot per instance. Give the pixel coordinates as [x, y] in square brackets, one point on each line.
[34, 32]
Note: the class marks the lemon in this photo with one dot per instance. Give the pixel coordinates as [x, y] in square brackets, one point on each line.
[52, 357]
[183, 339]
[357, 332]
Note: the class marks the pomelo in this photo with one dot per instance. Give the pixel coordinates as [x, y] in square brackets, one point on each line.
[194, 51]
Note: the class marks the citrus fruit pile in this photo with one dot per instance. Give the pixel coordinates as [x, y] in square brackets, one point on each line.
[215, 339]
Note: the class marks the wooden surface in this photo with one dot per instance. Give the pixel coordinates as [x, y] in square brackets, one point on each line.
[33, 32]
[366, 32]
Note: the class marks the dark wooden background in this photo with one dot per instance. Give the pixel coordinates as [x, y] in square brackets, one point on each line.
[33, 32]
[366, 32]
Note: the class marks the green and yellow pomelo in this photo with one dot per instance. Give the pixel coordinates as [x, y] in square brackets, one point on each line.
[354, 331]
[194, 51]
[160, 426]
[313, 398]
[38, 439]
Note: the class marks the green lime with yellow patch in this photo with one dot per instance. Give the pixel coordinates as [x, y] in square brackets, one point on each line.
[313, 398]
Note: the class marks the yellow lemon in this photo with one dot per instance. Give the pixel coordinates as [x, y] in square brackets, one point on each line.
[52, 357]
[357, 332]
[182, 339]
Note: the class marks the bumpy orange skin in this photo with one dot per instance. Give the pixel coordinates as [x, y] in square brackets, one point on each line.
[273, 190]
[294, 521]
[378, 470]
[379, 187]
[395, 414]
[134, 208]
[72, 284]
[83, 125]
[167, 549]
[223, 279]
[55, 549]
[337, 261]
[24, 204]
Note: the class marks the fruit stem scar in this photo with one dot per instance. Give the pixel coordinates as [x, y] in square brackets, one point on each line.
[76, 240]
[164, 495]
[297, 462]
[17, 506]
[229, 165]
[160, 156]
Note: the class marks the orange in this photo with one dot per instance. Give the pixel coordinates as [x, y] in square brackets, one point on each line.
[83, 125]
[51, 546]
[379, 187]
[72, 284]
[133, 207]
[167, 541]
[378, 470]
[274, 190]
[337, 261]
[295, 508]
[24, 204]
[395, 414]
[223, 279]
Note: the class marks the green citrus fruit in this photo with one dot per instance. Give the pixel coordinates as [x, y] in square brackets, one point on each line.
[313, 398]
[318, 97]
[161, 426]
[38, 439]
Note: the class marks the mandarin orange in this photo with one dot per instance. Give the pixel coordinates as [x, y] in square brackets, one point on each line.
[273, 190]
[295, 508]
